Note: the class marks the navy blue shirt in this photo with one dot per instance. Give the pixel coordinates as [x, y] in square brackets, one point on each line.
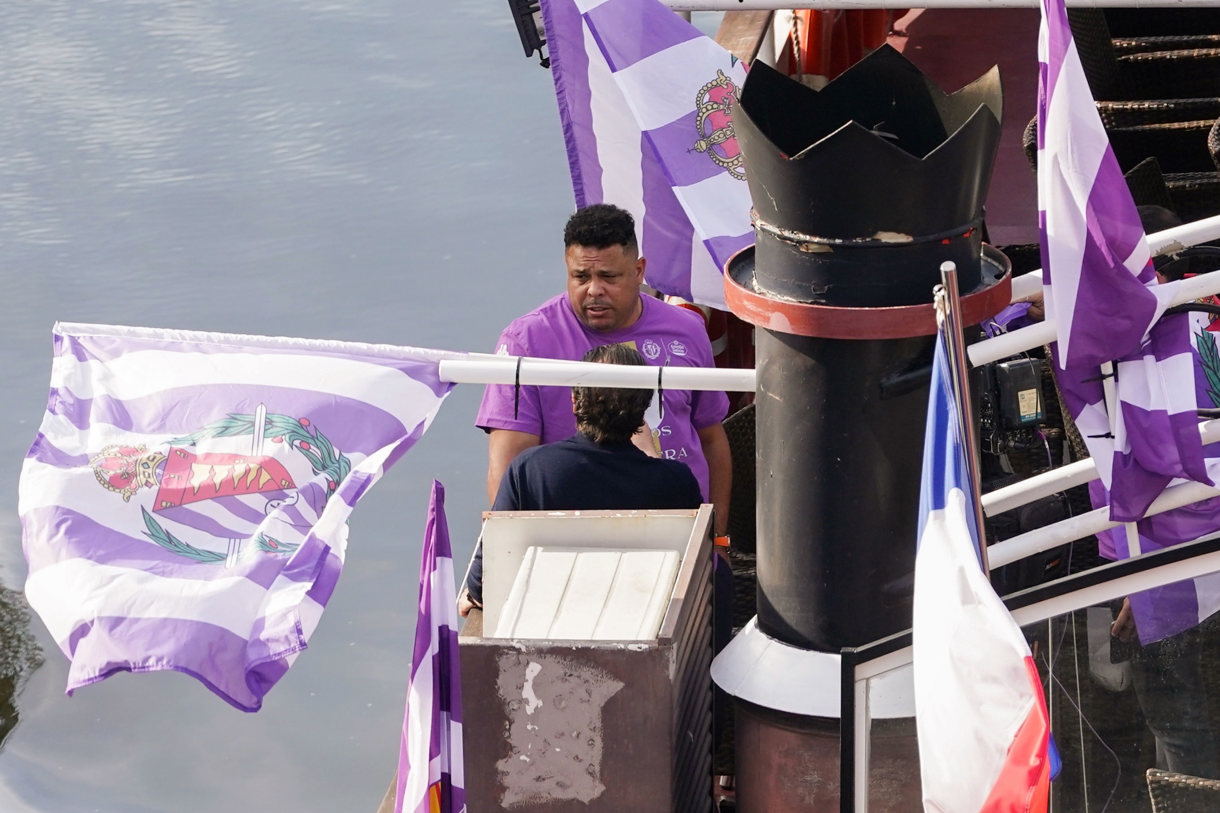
[577, 474]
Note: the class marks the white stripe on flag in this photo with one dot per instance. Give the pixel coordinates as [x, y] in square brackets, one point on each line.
[664, 87]
[226, 602]
[618, 139]
[706, 280]
[718, 206]
[1144, 387]
[145, 373]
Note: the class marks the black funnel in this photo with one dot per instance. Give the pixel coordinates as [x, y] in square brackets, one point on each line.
[861, 191]
[848, 179]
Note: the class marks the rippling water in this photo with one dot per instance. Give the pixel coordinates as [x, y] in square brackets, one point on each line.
[371, 171]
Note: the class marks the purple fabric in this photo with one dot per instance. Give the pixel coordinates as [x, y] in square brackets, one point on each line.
[1099, 288]
[1097, 274]
[650, 32]
[673, 231]
[664, 335]
[430, 772]
[565, 46]
[155, 413]
[117, 550]
[677, 139]
[228, 664]
[1012, 317]
[665, 232]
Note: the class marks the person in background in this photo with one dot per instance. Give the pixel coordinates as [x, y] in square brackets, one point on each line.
[603, 305]
[1168, 675]
[597, 468]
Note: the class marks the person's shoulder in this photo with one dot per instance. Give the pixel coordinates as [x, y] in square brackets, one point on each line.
[542, 318]
[680, 481]
[544, 454]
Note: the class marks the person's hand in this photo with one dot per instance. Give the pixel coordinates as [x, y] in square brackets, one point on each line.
[464, 604]
[1037, 308]
[1123, 627]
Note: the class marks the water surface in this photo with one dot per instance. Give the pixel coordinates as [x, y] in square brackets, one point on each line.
[374, 171]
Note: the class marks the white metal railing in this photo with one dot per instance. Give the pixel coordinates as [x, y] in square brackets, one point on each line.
[1028, 285]
[495, 369]
[489, 369]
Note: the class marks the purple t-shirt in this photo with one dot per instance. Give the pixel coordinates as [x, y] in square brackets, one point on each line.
[665, 335]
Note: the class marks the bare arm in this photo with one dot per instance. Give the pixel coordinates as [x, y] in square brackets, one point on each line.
[502, 446]
[720, 472]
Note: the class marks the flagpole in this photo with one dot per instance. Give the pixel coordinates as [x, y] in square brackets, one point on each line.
[949, 317]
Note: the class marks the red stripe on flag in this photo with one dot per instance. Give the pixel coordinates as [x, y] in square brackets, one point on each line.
[1023, 785]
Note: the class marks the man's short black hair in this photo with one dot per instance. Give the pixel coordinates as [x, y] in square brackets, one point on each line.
[600, 225]
[610, 414]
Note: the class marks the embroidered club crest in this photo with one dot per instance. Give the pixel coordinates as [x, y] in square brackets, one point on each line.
[714, 121]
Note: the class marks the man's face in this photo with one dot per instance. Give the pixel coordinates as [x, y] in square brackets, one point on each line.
[604, 285]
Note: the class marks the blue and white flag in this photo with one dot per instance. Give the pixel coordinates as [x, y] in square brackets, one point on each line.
[431, 776]
[1101, 292]
[980, 714]
[646, 103]
[185, 502]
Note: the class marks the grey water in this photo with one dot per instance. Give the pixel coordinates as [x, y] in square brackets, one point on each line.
[376, 171]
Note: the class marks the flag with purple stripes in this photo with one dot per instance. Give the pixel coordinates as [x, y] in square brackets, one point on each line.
[430, 768]
[646, 103]
[1101, 292]
[185, 502]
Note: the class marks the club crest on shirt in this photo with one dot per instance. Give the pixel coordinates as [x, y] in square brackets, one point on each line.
[650, 349]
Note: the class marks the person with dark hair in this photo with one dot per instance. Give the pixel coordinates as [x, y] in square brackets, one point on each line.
[604, 305]
[597, 468]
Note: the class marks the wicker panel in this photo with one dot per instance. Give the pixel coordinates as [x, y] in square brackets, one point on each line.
[1147, 184]
[1133, 113]
[1168, 74]
[1180, 146]
[1174, 42]
[1213, 143]
[1195, 195]
[1179, 793]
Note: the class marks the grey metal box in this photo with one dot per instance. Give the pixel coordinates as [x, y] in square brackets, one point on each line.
[563, 725]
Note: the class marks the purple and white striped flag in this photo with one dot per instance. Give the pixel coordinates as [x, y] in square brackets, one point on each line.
[672, 161]
[430, 768]
[185, 502]
[1101, 292]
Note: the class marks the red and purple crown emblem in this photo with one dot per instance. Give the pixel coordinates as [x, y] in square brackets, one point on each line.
[714, 108]
[126, 469]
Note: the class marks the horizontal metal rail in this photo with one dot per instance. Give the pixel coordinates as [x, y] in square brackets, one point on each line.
[486, 369]
[1029, 285]
[1060, 479]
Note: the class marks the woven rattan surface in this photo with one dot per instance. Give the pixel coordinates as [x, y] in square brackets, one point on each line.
[1213, 142]
[1180, 146]
[1136, 112]
[1179, 793]
[1175, 42]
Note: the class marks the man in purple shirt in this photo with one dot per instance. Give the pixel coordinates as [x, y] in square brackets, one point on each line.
[604, 305]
